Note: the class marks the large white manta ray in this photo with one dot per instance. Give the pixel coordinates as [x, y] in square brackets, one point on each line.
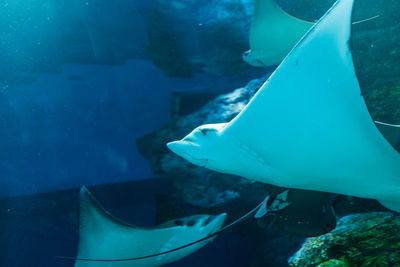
[104, 237]
[273, 34]
[308, 126]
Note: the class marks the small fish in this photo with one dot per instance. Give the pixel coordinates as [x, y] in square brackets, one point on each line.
[299, 212]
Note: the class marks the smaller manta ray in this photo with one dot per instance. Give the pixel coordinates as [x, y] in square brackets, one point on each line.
[298, 212]
[106, 238]
[308, 127]
[273, 34]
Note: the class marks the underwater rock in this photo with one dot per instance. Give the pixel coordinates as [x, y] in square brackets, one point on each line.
[199, 36]
[370, 239]
[195, 185]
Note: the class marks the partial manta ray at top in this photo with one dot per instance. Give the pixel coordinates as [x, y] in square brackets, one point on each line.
[308, 126]
[106, 241]
[274, 33]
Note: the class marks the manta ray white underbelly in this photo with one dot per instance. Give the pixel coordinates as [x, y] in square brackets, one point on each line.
[309, 122]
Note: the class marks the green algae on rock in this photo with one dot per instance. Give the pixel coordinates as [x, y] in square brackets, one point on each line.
[371, 239]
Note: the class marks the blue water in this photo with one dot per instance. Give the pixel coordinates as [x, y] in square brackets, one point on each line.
[73, 87]
[76, 90]
[79, 126]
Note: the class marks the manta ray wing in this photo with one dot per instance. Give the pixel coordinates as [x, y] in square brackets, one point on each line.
[273, 34]
[101, 236]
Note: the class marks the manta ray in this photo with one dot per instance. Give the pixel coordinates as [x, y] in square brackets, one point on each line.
[107, 241]
[308, 126]
[273, 33]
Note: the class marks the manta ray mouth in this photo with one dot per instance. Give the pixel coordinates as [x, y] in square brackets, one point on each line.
[180, 148]
[198, 162]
